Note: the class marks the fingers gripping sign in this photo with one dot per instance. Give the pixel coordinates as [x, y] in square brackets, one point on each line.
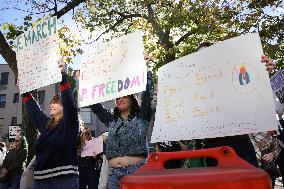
[269, 64]
[62, 65]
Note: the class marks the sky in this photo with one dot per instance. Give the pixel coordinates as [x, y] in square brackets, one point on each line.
[9, 14]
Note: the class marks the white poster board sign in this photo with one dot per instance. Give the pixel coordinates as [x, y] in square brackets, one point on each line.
[112, 70]
[222, 90]
[14, 131]
[38, 54]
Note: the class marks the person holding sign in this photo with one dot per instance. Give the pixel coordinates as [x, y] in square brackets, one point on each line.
[88, 160]
[240, 143]
[56, 147]
[128, 125]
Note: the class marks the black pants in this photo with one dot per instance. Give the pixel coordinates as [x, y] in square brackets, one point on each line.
[280, 163]
[89, 173]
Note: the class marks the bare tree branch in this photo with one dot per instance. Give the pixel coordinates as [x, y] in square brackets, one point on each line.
[182, 38]
[163, 36]
[71, 5]
[117, 23]
[8, 54]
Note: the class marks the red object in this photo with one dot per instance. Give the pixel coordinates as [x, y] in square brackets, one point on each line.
[231, 173]
[65, 86]
[27, 97]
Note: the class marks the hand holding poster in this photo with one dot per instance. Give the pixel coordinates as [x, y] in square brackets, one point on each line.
[113, 70]
[37, 54]
[219, 91]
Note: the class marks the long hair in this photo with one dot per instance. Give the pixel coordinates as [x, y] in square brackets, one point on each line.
[82, 142]
[52, 122]
[134, 109]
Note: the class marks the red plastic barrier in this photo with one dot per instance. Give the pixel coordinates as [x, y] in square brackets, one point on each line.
[231, 173]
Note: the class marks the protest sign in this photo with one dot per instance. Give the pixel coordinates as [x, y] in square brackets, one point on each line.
[112, 70]
[93, 147]
[222, 90]
[37, 53]
[14, 131]
[277, 84]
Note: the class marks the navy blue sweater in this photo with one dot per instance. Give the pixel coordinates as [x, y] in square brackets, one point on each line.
[56, 148]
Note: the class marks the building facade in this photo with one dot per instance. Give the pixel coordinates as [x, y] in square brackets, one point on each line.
[11, 106]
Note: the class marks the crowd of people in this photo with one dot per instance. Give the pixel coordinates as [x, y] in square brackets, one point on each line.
[59, 163]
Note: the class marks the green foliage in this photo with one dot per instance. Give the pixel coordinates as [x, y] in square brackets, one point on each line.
[175, 28]
[68, 43]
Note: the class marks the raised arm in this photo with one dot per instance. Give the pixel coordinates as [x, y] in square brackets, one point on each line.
[146, 109]
[103, 114]
[69, 108]
[34, 112]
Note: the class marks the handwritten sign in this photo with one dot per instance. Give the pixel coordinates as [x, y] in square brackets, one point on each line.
[14, 131]
[218, 91]
[112, 70]
[37, 54]
[93, 147]
[277, 84]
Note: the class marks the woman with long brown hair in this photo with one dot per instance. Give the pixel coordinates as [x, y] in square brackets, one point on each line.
[56, 147]
[126, 146]
[88, 165]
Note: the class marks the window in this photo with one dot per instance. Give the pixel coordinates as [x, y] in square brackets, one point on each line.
[85, 114]
[41, 96]
[16, 98]
[4, 78]
[2, 100]
[14, 121]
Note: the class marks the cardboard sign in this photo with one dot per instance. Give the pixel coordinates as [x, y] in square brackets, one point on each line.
[222, 90]
[93, 147]
[277, 84]
[38, 54]
[14, 131]
[113, 70]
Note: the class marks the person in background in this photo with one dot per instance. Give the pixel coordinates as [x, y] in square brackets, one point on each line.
[240, 143]
[280, 140]
[126, 145]
[14, 163]
[89, 165]
[56, 165]
[268, 148]
[3, 151]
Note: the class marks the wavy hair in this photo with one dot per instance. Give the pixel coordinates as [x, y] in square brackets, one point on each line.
[52, 122]
[134, 109]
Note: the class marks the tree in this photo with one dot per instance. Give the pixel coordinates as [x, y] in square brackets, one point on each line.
[68, 47]
[174, 28]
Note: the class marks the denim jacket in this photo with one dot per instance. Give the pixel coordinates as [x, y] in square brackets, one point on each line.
[127, 137]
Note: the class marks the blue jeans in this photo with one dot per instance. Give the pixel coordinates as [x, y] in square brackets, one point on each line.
[60, 182]
[13, 182]
[116, 174]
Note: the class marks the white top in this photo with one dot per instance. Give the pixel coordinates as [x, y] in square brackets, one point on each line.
[2, 155]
